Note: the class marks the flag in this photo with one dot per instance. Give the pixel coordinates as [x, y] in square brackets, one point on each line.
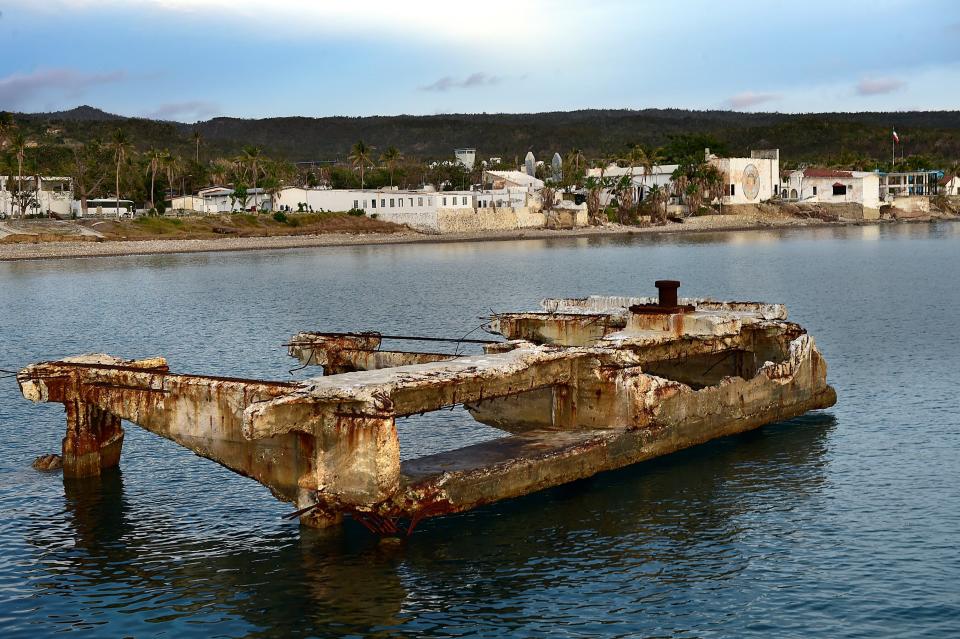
[896, 138]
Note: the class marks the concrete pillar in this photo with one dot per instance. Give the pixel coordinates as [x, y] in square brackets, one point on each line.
[93, 442]
[356, 463]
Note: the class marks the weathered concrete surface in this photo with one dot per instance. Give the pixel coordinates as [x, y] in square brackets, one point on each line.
[586, 386]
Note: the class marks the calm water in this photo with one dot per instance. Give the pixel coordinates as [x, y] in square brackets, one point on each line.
[843, 523]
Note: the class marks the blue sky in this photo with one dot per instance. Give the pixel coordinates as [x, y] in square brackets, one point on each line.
[193, 59]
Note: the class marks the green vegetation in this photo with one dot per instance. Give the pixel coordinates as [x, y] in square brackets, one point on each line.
[148, 161]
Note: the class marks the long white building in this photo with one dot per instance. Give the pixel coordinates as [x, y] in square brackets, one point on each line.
[424, 210]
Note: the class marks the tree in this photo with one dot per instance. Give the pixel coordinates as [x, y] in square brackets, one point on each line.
[220, 171]
[20, 151]
[239, 195]
[391, 157]
[659, 198]
[120, 146]
[197, 138]
[252, 157]
[625, 199]
[360, 157]
[156, 160]
[594, 209]
[173, 167]
[89, 171]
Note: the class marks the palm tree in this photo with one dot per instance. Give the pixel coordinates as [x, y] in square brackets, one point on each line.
[220, 172]
[20, 150]
[576, 158]
[391, 157]
[173, 166]
[252, 156]
[120, 146]
[360, 157]
[197, 138]
[639, 157]
[156, 160]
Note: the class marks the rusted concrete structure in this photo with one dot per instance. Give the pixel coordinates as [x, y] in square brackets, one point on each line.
[583, 386]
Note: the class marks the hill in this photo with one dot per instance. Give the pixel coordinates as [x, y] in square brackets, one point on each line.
[834, 138]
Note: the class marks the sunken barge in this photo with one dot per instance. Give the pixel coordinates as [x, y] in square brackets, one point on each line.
[582, 386]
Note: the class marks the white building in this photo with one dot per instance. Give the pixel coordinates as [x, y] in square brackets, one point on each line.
[660, 175]
[422, 210]
[53, 196]
[512, 179]
[950, 185]
[829, 186]
[220, 199]
[906, 183]
[466, 157]
[749, 180]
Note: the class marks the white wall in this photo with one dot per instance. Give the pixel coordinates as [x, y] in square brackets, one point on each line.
[861, 189]
[55, 202]
[768, 174]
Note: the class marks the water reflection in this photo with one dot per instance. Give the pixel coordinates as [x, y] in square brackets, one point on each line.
[674, 520]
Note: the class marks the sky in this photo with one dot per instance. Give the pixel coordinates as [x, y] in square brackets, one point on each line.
[190, 60]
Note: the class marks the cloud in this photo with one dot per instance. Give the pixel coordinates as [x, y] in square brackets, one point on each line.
[184, 111]
[749, 98]
[878, 86]
[472, 81]
[19, 88]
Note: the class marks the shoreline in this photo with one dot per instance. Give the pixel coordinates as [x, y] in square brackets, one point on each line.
[18, 252]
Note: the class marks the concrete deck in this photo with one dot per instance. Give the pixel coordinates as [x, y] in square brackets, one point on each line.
[585, 386]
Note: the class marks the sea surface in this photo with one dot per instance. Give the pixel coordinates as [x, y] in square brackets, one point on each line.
[842, 523]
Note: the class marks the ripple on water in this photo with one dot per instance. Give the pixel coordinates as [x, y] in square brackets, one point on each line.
[840, 523]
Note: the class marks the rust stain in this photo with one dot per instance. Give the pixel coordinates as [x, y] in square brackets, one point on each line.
[574, 388]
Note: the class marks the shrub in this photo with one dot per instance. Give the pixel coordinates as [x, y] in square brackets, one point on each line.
[280, 217]
[355, 212]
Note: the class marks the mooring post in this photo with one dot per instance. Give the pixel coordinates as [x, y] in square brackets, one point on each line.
[93, 442]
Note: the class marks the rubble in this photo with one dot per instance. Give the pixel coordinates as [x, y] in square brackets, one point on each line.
[582, 386]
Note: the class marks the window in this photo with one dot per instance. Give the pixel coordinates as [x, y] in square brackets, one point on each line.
[464, 200]
[364, 204]
[373, 204]
[814, 190]
[391, 203]
[733, 190]
[411, 201]
[419, 201]
[444, 201]
[839, 189]
[356, 204]
[383, 203]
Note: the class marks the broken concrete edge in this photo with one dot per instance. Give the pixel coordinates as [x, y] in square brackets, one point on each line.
[427, 494]
[619, 305]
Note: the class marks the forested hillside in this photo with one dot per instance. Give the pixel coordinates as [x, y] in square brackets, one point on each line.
[832, 138]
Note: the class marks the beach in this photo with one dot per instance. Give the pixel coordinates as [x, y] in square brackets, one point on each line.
[106, 248]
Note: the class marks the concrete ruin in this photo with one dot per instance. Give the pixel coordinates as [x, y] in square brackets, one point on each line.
[582, 386]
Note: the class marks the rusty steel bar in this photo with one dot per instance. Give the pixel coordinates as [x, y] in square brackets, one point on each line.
[413, 338]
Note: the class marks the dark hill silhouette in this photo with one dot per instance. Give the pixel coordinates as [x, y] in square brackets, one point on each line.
[815, 137]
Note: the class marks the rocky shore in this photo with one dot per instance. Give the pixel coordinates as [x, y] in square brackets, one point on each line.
[72, 249]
